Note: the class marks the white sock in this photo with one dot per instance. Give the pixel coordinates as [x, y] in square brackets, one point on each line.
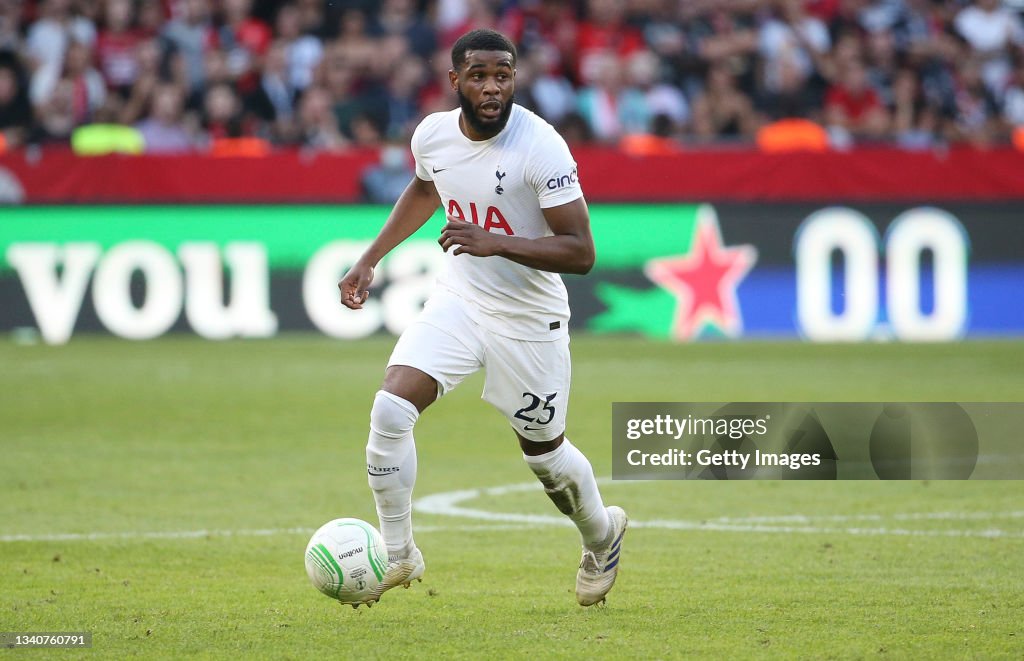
[569, 482]
[391, 469]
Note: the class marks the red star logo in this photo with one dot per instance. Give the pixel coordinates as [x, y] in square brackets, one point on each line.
[704, 281]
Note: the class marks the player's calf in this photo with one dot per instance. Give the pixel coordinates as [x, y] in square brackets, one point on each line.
[569, 482]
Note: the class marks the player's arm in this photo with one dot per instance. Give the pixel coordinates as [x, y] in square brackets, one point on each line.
[414, 208]
[570, 250]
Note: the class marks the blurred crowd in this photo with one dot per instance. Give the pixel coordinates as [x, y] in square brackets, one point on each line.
[332, 74]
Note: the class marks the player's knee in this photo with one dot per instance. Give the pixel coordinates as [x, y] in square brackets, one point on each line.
[391, 416]
[534, 448]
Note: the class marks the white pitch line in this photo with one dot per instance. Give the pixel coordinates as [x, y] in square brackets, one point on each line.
[919, 516]
[451, 504]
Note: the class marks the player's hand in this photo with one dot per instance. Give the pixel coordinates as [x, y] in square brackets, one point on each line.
[469, 238]
[355, 286]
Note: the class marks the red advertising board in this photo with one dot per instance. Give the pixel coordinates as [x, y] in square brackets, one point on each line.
[59, 177]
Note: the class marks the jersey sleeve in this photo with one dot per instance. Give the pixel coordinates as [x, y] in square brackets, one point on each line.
[422, 171]
[552, 172]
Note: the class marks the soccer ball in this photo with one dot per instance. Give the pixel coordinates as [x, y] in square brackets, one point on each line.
[346, 560]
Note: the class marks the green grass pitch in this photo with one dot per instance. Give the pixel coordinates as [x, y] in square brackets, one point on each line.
[135, 446]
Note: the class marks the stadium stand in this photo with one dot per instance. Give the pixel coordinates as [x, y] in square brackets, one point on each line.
[349, 74]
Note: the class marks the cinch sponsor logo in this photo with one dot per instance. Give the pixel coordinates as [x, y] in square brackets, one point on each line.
[563, 181]
[381, 470]
[349, 554]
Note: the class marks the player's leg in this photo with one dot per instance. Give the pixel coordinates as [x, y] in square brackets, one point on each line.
[391, 455]
[529, 383]
[569, 482]
[427, 362]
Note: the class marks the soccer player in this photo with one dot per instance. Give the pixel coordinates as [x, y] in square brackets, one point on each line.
[516, 218]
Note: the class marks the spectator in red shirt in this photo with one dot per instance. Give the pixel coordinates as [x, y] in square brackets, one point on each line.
[550, 25]
[605, 30]
[245, 39]
[823, 9]
[854, 107]
[437, 95]
[116, 46]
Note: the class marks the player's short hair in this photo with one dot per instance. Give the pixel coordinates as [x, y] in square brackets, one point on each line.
[481, 40]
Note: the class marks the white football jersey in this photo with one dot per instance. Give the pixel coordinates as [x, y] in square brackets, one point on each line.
[501, 184]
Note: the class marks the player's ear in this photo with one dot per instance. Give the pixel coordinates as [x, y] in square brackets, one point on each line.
[453, 78]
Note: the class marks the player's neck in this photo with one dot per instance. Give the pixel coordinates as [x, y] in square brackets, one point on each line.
[471, 133]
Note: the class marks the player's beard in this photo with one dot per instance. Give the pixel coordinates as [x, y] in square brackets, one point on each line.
[490, 127]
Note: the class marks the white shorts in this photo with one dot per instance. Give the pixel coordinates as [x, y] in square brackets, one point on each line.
[527, 381]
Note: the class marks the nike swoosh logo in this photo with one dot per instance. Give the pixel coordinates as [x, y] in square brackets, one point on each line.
[380, 474]
[529, 428]
[441, 170]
